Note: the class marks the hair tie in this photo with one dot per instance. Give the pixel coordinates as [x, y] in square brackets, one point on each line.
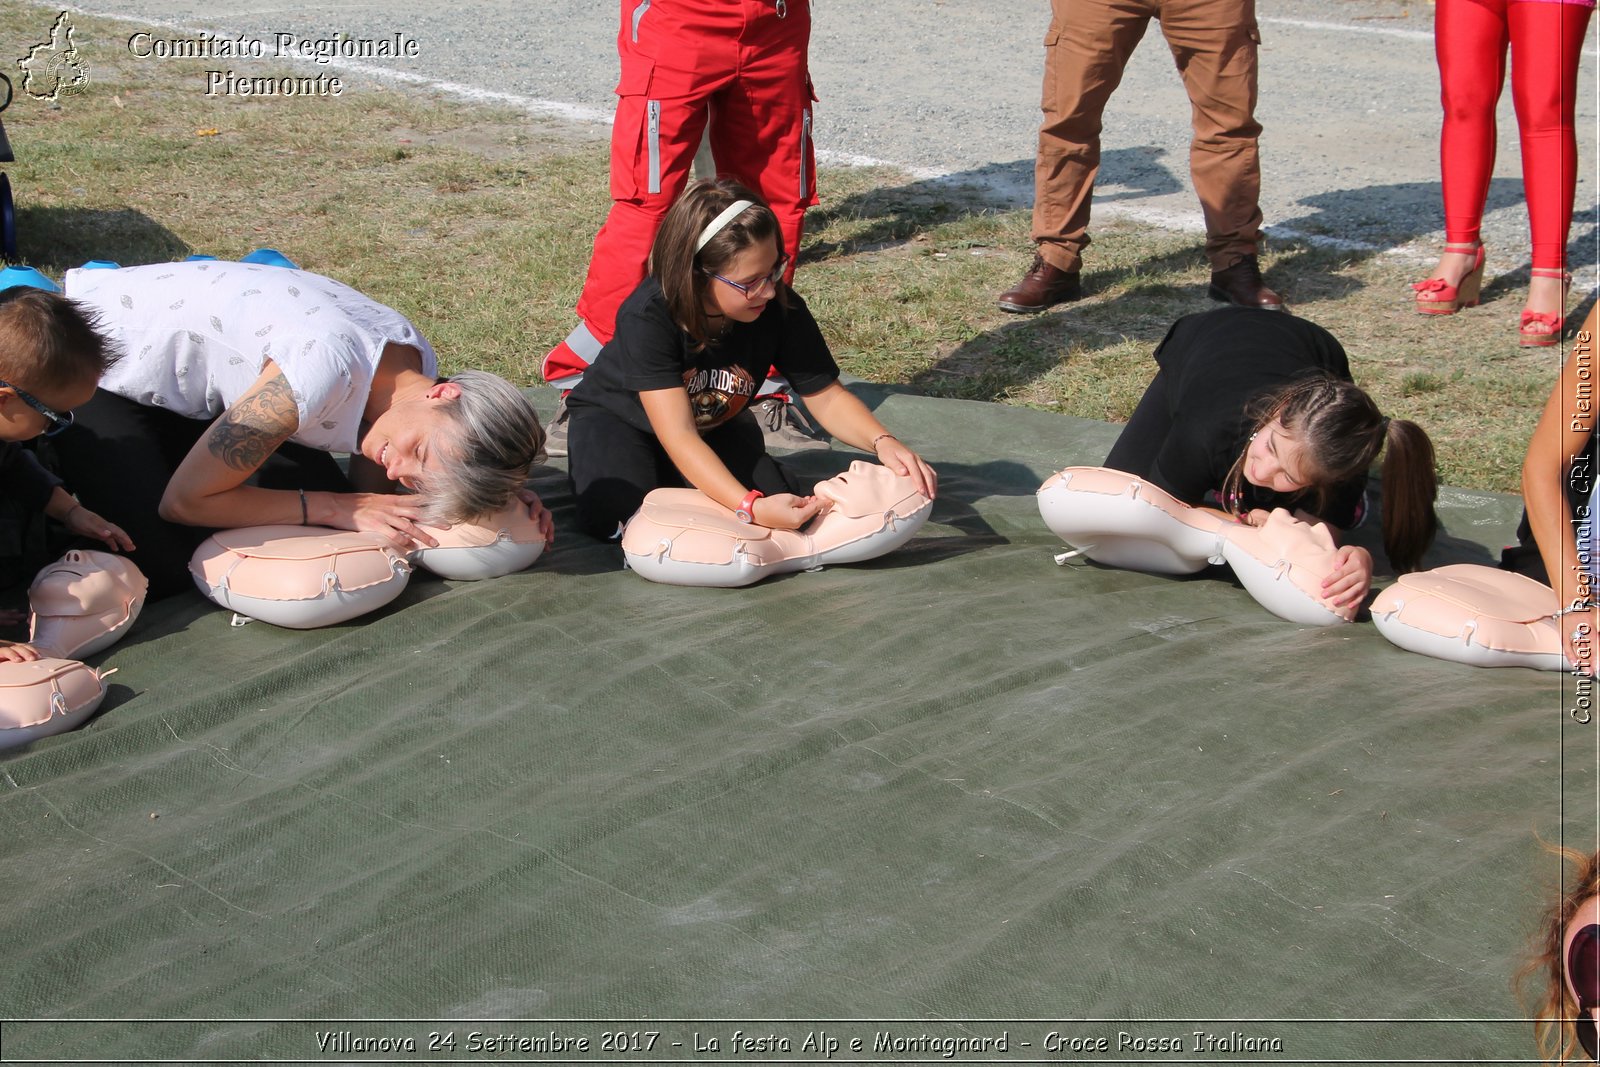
[714, 227]
[1384, 426]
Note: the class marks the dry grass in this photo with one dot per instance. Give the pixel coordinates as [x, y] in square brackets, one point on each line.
[477, 223]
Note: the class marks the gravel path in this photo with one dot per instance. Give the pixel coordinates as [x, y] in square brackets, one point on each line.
[948, 90]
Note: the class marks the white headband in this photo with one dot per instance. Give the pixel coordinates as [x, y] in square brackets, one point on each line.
[729, 213]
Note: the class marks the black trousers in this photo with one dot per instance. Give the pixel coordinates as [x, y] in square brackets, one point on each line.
[118, 457]
[612, 465]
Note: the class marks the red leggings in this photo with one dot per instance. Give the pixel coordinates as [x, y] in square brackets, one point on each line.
[1545, 38]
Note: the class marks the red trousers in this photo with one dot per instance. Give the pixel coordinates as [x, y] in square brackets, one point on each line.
[1545, 38]
[1087, 47]
[739, 65]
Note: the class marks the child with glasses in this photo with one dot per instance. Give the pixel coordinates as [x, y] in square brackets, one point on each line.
[667, 400]
[51, 358]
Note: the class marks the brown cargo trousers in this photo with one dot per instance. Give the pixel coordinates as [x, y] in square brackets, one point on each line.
[1087, 47]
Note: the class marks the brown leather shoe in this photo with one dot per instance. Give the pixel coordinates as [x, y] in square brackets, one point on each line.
[1241, 284]
[1043, 286]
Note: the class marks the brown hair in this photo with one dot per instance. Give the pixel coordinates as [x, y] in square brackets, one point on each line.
[49, 342]
[684, 273]
[1341, 432]
[1554, 1008]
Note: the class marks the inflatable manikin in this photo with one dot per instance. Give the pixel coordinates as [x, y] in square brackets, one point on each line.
[303, 577]
[298, 576]
[683, 537]
[1472, 614]
[82, 604]
[1123, 521]
[504, 543]
[46, 696]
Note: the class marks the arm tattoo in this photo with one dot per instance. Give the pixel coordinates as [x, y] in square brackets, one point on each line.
[252, 429]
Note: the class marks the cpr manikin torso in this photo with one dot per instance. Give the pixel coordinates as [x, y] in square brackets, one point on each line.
[303, 577]
[82, 604]
[1123, 521]
[1473, 614]
[682, 537]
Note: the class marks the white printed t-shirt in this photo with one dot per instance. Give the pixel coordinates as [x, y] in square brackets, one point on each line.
[194, 337]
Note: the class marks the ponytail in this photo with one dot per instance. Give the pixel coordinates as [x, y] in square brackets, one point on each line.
[1410, 487]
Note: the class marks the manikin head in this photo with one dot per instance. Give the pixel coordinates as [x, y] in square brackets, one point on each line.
[870, 489]
[84, 602]
[1305, 552]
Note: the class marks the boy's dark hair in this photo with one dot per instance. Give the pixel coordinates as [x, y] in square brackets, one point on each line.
[49, 342]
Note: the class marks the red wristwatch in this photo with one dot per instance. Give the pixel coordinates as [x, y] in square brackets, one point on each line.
[746, 511]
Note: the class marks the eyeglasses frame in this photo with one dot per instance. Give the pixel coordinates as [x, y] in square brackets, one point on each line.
[58, 420]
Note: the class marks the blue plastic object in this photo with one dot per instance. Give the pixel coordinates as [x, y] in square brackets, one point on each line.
[197, 256]
[12, 277]
[100, 264]
[270, 257]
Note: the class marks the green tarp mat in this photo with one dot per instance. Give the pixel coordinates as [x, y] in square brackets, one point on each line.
[959, 803]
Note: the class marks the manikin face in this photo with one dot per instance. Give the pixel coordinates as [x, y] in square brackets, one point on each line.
[411, 437]
[866, 489]
[1308, 546]
[751, 268]
[1275, 460]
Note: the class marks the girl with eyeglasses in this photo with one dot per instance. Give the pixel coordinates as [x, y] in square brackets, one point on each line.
[666, 402]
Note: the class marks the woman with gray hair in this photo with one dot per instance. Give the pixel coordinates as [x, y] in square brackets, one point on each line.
[240, 379]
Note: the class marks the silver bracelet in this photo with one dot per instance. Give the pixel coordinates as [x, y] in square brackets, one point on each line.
[1581, 605]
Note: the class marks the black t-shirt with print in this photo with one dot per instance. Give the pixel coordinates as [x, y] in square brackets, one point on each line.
[650, 351]
[1215, 362]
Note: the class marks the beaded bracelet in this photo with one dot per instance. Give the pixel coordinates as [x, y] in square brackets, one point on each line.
[1581, 605]
[881, 436]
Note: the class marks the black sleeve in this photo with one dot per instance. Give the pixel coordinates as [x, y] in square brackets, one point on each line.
[802, 355]
[23, 479]
[648, 347]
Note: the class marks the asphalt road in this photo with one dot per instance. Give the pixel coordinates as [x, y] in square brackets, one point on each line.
[949, 89]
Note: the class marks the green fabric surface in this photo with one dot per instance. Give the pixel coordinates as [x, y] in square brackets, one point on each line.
[956, 783]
